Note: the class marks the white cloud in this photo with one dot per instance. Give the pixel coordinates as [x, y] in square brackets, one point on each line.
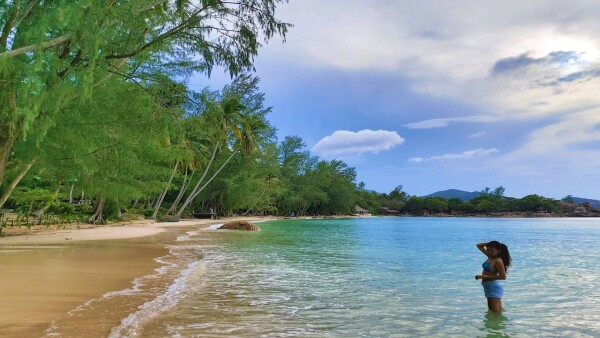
[464, 155]
[498, 57]
[363, 141]
[478, 134]
[562, 136]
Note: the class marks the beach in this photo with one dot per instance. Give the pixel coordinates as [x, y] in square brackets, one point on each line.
[88, 278]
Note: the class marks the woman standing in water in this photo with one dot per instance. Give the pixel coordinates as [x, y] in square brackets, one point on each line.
[494, 269]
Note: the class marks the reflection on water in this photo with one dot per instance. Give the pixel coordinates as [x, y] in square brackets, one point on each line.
[494, 325]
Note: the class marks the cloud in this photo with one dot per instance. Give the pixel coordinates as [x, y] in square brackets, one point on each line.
[583, 75]
[561, 136]
[453, 55]
[363, 141]
[444, 122]
[478, 134]
[518, 62]
[534, 65]
[464, 155]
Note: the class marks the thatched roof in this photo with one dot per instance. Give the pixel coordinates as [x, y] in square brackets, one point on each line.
[389, 211]
[359, 209]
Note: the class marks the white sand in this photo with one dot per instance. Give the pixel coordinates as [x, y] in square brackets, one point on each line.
[131, 230]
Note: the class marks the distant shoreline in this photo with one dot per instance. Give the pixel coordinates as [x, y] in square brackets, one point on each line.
[512, 215]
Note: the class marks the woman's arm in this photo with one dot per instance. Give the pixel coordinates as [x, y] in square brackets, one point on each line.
[482, 248]
[490, 277]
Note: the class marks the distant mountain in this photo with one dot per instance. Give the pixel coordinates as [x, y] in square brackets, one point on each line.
[465, 196]
[455, 193]
[594, 203]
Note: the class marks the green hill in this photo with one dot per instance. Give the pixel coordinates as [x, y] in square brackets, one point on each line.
[455, 193]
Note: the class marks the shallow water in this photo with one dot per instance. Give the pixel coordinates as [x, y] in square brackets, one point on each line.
[378, 277]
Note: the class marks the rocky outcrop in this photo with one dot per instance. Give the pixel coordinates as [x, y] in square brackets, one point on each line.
[169, 218]
[240, 225]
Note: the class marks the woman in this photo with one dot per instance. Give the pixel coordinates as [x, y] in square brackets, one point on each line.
[494, 269]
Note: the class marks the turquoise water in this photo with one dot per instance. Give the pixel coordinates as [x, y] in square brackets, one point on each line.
[381, 277]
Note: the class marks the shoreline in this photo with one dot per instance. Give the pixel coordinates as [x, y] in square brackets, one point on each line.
[48, 275]
[117, 231]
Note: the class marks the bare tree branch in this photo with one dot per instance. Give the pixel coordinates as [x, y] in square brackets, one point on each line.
[32, 47]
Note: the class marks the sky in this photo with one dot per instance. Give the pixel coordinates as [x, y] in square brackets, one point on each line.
[436, 95]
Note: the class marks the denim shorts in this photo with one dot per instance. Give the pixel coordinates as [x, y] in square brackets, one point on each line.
[492, 289]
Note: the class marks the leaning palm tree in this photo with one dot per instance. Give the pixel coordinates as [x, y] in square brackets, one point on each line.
[223, 120]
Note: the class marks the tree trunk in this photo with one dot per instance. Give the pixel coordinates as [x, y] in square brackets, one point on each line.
[184, 186]
[192, 196]
[164, 193]
[40, 212]
[135, 203]
[13, 184]
[119, 213]
[82, 196]
[150, 203]
[71, 193]
[7, 142]
[188, 200]
[256, 200]
[97, 216]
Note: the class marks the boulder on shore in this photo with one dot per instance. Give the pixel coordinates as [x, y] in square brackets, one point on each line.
[169, 218]
[240, 225]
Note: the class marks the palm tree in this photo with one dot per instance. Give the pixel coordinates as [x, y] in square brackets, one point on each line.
[222, 119]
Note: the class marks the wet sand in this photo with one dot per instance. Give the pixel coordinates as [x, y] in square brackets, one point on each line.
[40, 284]
[44, 276]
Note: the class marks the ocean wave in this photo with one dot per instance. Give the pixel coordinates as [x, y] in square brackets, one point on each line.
[132, 325]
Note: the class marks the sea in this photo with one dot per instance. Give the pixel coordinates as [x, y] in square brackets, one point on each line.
[374, 277]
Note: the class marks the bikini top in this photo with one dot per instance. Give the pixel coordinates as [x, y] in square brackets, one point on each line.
[487, 266]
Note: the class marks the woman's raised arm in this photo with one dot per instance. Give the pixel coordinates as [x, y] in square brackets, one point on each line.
[482, 248]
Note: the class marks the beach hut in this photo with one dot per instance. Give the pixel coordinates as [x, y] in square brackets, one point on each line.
[388, 211]
[361, 212]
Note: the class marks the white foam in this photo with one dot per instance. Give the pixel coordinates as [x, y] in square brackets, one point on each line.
[168, 265]
[131, 326]
[187, 236]
[212, 227]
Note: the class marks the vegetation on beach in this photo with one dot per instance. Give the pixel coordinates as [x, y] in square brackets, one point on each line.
[97, 119]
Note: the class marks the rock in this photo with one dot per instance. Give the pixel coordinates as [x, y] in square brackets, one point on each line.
[170, 218]
[240, 225]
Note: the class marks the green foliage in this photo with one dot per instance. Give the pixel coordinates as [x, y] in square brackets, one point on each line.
[26, 199]
[489, 201]
[535, 203]
[415, 205]
[62, 208]
[313, 186]
[436, 204]
[61, 58]
[112, 209]
[368, 199]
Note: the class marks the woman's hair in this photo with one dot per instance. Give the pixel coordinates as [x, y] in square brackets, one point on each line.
[503, 252]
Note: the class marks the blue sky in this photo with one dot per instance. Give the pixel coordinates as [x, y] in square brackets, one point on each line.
[437, 95]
